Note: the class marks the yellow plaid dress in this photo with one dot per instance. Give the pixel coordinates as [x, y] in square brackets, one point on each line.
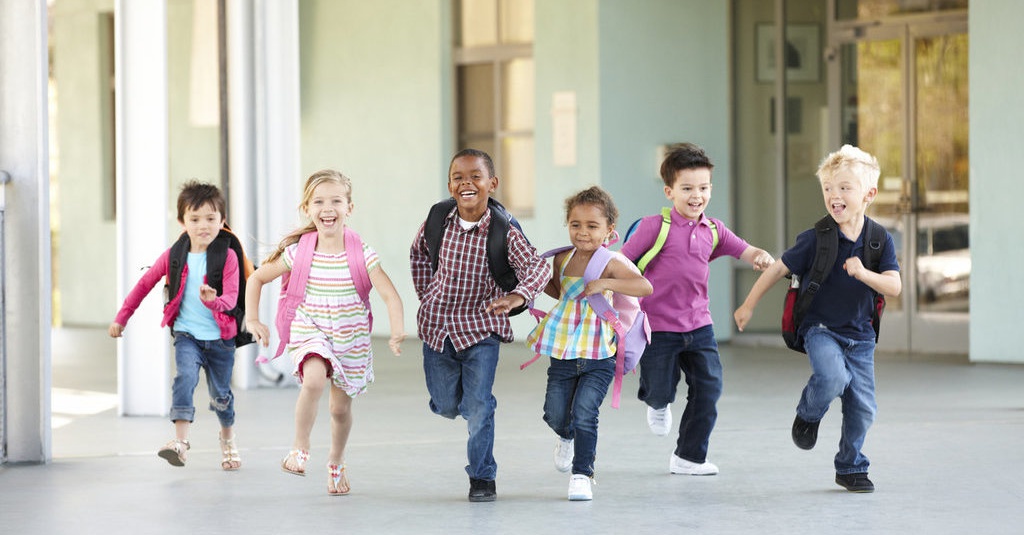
[572, 330]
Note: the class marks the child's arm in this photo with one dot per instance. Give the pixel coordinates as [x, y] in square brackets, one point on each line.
[380, 280]
[887, 283]
[621, 278]
[419, 263]
[759, 258]
[554, 286]
[773, 274]
[134, 298]
[253, 287]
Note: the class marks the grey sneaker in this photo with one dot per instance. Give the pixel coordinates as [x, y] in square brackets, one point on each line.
[563, 454]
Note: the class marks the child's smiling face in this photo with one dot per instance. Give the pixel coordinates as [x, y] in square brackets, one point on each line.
[588, 227]
[691, 192]
[470, 182]
[328, 208]
[846, 197]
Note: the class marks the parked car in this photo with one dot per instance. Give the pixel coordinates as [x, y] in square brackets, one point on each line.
[943, 256]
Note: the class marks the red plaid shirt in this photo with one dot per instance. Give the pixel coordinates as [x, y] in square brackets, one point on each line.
[453, 300]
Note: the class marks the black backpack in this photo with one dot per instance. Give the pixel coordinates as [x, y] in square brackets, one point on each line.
[216, 254]
[800, 294]
[497, 242]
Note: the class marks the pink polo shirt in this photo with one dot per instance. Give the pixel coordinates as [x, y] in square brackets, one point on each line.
[679, 273]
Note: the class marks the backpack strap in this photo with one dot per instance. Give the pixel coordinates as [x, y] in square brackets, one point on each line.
[659, 242]
[874, 240]
[826, 250]
[433, 229]
[293, 288]
[176, 260]
[595, 268]
[357, 268]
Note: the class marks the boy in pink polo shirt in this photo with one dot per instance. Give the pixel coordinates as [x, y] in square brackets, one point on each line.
[682, 339]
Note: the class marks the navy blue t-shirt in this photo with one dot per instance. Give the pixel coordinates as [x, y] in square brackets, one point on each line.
[843, 304]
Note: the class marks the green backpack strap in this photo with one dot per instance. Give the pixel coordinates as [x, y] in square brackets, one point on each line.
[659, 242]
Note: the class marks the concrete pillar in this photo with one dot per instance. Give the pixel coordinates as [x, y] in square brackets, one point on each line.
[143, 354]
[24, 155]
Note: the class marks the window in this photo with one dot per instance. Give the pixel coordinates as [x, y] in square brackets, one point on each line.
[495, 92]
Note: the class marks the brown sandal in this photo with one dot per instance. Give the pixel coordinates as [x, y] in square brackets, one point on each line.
[174, 452]
[230, 459]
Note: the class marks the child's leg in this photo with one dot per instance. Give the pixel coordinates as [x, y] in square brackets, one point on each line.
[443, 374]
[187, 362]
[562, 381]
[593, 385]
[341, 424]
[314, 376]
[479, 365]
[703, 370]
[829, 376]
[659, 370]
[859, 408]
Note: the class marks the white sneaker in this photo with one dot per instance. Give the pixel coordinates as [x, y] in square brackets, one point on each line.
[660, 420]
[564, 452]
[678, 465]
[579, 488]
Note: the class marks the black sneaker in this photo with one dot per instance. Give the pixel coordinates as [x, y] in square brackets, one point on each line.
[482, 490]
[805, 434]
[855, 482]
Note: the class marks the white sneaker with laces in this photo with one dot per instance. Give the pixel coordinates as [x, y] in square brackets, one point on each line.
[678, 465]
[564, 452]
[660, 420]
[579, 488]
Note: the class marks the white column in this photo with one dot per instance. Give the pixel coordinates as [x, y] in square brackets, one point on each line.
[25, 391]
[143, 215]
[277, 114]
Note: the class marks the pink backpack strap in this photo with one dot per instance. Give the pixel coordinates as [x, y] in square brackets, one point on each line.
[357, 268]
[293, 288]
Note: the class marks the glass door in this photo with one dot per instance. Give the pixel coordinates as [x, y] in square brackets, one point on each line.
[902, 94]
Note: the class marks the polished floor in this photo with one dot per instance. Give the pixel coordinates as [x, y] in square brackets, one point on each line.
[947, 452]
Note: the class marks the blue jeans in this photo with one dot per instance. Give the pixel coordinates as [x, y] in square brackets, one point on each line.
[460, 383]
[693, 355]
[575, 391]
[844, 368]
[217, 357]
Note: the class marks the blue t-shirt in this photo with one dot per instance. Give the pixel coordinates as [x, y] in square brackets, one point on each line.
[194, 317]
[843, 304]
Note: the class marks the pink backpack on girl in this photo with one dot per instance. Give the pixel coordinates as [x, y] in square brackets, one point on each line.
[623, 314]
[293, 284]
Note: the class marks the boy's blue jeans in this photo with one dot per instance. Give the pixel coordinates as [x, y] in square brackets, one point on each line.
[694, 355]
[217, 357]
[575, 391]
[844, 368]
[460, 383]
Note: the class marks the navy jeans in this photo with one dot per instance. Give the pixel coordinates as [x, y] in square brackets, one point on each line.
[844, 368]
[217, 358]
[460, 383]
[575, 391]
[694, 355]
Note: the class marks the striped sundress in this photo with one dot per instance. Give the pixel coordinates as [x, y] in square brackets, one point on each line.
[571, 330]
[332, 322]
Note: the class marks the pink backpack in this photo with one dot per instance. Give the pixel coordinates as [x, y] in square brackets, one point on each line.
[293, 284]
[632, 331]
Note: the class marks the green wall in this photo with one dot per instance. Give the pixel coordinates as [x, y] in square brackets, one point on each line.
[996, 187]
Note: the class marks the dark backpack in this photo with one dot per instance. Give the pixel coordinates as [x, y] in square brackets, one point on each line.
[800, 294]
[216, 255]
[497, 242]
[659, 242]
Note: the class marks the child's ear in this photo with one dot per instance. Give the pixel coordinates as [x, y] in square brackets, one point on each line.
[870, 195]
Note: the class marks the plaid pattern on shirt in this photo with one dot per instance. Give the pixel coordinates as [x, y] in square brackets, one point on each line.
[453, 300]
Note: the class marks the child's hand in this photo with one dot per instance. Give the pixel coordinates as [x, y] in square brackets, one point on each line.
[503, 305]
[762, 261]
[742, 317]
[207, 293]
[115, 330]
[395, 343]
[854, 267]
[259, 331]
[595, 286]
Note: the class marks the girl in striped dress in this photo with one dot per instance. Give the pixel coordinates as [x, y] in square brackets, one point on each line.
[581, 345]
[329, 337]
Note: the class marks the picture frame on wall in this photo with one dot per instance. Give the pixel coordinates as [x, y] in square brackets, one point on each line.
[803, 52]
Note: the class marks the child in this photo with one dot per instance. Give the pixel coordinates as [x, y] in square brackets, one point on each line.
[203, 331]
[837, 331]
[580, 344]
[329, 337]
[463, 313]
[682, 338]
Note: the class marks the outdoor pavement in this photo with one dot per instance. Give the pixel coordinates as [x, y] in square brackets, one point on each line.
[947, 452]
